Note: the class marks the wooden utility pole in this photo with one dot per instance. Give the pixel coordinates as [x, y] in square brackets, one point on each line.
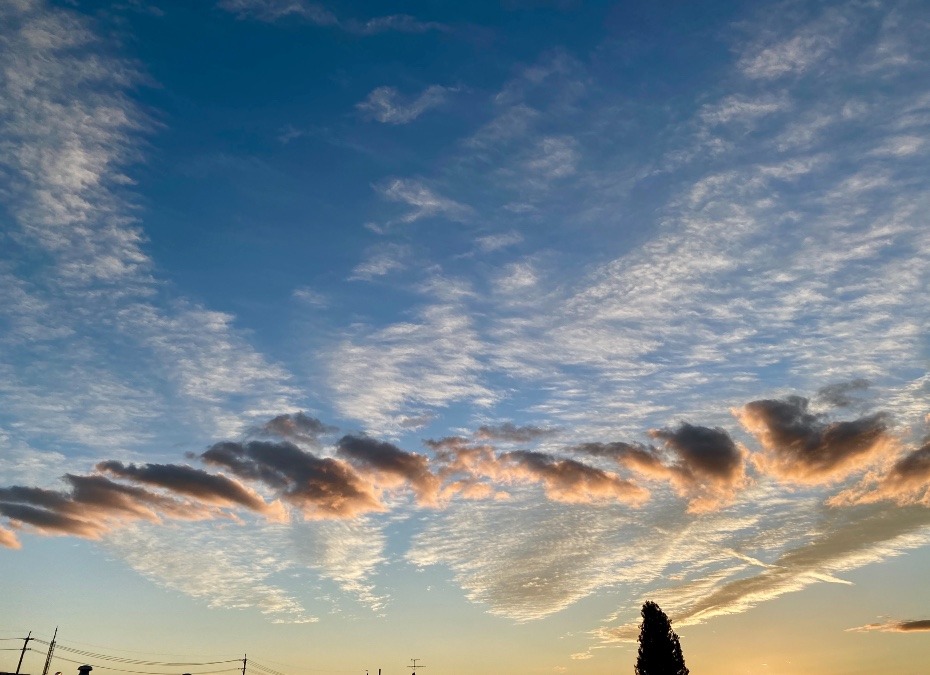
[414, 666]
[245, 659]
[23, 653]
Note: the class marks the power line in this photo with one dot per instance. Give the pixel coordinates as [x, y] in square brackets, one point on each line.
[149, 672]
[141, 662]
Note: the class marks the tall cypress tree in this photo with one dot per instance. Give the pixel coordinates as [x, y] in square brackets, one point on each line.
[659, 649]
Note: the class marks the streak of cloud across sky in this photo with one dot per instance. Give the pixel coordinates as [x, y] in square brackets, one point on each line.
[340, 333]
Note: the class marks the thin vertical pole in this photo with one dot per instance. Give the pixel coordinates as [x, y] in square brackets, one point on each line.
[51, 650]
[23, 653]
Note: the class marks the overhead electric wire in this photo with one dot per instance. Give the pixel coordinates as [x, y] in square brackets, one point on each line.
[148, 672]
[107, 648]
[142, 662]
[272, 671]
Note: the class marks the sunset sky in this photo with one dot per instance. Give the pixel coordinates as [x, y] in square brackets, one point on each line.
[343, 333]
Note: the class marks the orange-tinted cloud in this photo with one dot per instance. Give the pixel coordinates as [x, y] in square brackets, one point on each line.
[802, 447]
[568, 480]
[93, 507]
[386, 464]
[702, 464]
[563, 480]
[906, 482]
[321, 487]
[207, 487]
[8, 539]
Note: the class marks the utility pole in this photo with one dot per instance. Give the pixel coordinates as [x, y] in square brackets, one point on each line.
[23, 653]
[51, 650]
[414, 666]
[245, 659]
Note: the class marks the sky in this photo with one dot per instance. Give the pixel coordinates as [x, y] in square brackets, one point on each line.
[340, 334]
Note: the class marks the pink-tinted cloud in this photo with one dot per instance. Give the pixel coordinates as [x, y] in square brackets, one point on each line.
[209, 488]
[8, 539]
[94, 506]
[386, 464]
[321, 487]
[803, 447]
[568, 480]
[563, 480]
[702, 464]
[906, 482]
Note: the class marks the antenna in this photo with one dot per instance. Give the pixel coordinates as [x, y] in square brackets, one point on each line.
[51, 651]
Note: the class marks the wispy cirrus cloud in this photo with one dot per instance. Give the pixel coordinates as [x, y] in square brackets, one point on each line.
[223, 569]
[382, 261]
[72, 130]
[388, 105]
[892, 626]
[315, 13]
[423, 201]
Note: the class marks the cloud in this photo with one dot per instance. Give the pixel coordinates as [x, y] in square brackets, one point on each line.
[321, 487]
[386, 259]
[840, 395]
[494, 242]
[109, 354]
[423, 201]
[275, 10]
[225, 568]
[702, 464]
[186, 480]
[742, 109]
[8, 539]
[524, 560]
[379, 376]
[554, 157]
[272, 10]
[345, 552]
[389, 464]
[569, 481]
[906, 482]
[386, 104]
[916, 626]
[310, 297]
[803, 447]
[512, 433]
[841, 541]
[93, 507]
[298, 427]
[563, 480]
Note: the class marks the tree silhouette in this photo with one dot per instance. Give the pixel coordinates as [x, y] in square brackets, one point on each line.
[659, 650]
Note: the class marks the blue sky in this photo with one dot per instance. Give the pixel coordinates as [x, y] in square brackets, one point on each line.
[529, 311]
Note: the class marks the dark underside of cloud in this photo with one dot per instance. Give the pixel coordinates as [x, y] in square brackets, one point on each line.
[277, 479]
[803, 447]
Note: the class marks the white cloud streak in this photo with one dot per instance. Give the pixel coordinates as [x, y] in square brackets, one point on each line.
[388, 105]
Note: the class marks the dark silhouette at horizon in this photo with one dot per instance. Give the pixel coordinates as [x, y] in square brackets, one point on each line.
[659, 648]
